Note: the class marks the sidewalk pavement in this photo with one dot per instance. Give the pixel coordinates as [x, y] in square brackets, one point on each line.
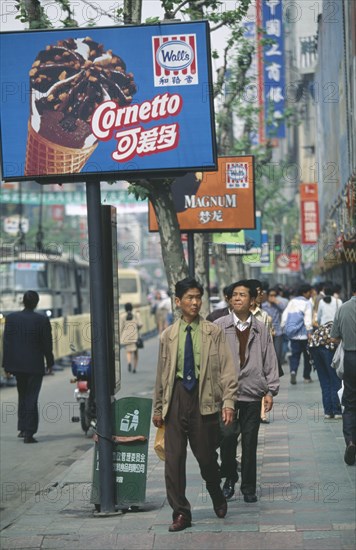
[306, 496]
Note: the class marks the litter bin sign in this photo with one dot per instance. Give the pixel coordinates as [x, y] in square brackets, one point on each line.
[131, 425]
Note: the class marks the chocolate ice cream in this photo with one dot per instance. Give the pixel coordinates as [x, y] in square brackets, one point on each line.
[69, 80]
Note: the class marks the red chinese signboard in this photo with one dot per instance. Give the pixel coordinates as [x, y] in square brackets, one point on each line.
[309, 211]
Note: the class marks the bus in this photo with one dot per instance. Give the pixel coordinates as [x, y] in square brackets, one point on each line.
[133, 288]
[61, 281]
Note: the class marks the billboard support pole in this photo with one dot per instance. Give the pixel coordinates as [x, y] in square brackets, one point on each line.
[191, 255]
[99, 346]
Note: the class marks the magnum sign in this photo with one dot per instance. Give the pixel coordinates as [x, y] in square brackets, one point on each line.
[215, 201]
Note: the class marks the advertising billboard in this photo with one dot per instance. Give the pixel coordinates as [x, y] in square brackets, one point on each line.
[114, 101]
[215, 201]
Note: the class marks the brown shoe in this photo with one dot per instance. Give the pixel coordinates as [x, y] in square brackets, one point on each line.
[179, 523]
[221, 510]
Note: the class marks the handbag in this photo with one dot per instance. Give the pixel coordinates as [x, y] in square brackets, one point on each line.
[139, 343]
[337, 362]
[322, 337]
[159, 443]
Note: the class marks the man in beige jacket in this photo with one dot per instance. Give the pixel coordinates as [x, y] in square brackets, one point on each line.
[195, 378]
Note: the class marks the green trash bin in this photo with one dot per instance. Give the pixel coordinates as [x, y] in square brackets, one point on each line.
[131, 419]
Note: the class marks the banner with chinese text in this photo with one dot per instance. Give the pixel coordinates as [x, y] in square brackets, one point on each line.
[274, 81]
[309, 212]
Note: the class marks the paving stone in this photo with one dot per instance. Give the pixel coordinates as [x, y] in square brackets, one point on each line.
[306, 498]
[14, 543]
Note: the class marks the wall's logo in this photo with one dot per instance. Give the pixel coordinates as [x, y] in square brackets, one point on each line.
[175, 55]
[175, 60]
[236, 175]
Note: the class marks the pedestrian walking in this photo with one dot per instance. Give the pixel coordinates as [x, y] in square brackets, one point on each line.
[195, 378]
[262, 316]
[162, 309]
[256, 367]
[27, 343]
[129, 334]
[224, 307]
[283, 295]
[297, 325]
[327, 307]
[322, 351]
[274, 308]
[344, 329]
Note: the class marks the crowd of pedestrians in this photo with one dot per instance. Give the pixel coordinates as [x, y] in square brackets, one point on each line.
[216, 377]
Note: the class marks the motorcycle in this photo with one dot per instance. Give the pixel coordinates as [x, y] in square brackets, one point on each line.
[81, 369]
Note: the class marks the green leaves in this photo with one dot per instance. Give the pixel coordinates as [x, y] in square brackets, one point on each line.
[138, 191]
[33, 13]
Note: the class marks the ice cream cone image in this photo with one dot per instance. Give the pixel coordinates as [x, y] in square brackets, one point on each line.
[46, 157]
[69, 80]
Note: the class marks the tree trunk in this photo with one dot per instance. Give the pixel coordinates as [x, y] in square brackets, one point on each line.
[132, 11]
[201, 247]
[172, 249]
[222, 273]
[34, 13]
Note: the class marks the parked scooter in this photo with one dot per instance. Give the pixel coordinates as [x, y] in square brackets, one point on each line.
[81, 369]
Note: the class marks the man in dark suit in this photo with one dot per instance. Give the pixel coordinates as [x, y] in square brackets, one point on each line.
[27, 341]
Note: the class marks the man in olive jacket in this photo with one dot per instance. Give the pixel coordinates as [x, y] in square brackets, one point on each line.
[188, 404]
[27, 342]
[256, 367]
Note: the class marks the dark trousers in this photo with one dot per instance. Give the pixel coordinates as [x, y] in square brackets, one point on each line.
[248, 424]
[299, 347]
[185, 423]
[278, 348]
[349, 397]
[28, 388]
[329, 381]
[228, 449]
[249, 419]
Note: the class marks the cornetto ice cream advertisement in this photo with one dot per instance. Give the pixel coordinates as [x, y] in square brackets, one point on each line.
[106, 101]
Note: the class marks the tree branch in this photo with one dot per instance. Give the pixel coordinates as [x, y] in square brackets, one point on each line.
[97, 8]
[174, 13]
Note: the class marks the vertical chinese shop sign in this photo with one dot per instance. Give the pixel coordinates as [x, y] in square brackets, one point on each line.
[309, 211]
[273, 68]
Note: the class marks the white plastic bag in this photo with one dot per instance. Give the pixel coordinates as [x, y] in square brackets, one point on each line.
[337, 362]
[339, 393]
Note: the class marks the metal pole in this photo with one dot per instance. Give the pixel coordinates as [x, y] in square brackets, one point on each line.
[207, 262]
[191, 255]
[99, 345]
